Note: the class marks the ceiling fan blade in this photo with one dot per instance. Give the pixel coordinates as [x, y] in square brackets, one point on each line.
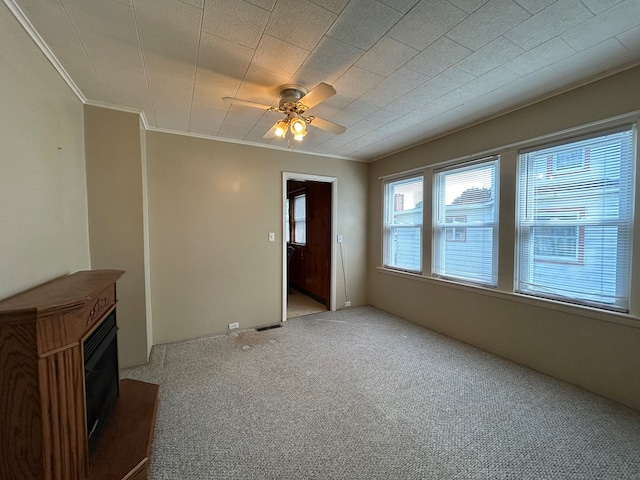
[318, 94]
[269, 134]
[239, 101]
[327, 125]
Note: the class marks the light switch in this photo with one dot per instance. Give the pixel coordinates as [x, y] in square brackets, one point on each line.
[272, 237]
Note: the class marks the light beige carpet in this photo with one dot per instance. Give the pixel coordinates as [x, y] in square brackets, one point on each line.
[361, 394]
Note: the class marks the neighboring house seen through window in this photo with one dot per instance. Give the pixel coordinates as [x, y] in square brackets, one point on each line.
[574, 221]
[455, 233]
[558, 238]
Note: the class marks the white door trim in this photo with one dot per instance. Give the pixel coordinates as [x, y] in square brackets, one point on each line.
[334, 194]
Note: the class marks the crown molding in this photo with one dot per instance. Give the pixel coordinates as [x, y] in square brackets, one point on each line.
[120, 108]
[35, 36]
[247, 143]
[150, 128]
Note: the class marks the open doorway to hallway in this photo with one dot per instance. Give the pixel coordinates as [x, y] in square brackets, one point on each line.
[309, 256]
[299, 304]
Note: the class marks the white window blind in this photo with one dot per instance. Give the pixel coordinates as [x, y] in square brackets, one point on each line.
[300, 219]
[287, 219]
[574, 220]
[403, 224]
[465, 223]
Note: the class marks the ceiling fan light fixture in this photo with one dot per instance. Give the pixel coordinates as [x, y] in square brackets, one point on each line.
[299, 136]
[295, 100]
[298, 126]
[280, 129]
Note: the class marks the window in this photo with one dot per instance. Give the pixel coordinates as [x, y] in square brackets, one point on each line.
[465, 223]
[555, 242]
[569, 161]
[455, 234]
[403, 224]
[287, 220]
[300, 219]
[574, 229]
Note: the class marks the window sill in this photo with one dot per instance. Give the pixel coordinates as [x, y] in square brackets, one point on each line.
[584, 311]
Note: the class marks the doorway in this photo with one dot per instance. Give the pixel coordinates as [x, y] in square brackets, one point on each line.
[308, 269]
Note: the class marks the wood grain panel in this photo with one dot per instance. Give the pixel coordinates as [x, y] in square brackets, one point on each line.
[64, 293]
[20, 414]
[64, 329]
[52, 334]
[63, 415]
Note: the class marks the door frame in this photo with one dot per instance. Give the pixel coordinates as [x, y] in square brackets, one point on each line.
[286, 176]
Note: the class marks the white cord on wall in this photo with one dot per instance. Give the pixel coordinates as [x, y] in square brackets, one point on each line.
[343, 260]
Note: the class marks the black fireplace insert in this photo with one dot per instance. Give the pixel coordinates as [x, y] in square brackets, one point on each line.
[100, 378]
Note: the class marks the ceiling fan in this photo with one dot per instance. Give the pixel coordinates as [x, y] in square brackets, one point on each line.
[295, 100]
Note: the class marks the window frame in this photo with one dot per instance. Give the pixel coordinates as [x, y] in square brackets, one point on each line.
[451, 229]
[554, 169]
[296, 220]
[389, 205]
[508, 269]
[578, 258]
[440, 227]
[524, 228]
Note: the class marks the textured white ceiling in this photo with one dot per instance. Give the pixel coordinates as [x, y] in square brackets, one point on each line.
[405, 70]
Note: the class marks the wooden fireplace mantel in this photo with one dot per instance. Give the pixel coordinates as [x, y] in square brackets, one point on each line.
[43, 433]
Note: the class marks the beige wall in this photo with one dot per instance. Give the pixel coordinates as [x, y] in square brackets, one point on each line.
[211, 207]
[115, 163]
[43, 206]
[597, 351]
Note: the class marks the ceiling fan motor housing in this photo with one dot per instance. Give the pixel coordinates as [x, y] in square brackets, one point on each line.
[290, 96]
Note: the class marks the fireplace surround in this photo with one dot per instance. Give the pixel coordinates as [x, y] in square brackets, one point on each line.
[59, 381]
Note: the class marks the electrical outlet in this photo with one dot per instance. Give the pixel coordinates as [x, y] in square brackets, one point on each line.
[234, 325]
[339, 238]
[347, 303]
